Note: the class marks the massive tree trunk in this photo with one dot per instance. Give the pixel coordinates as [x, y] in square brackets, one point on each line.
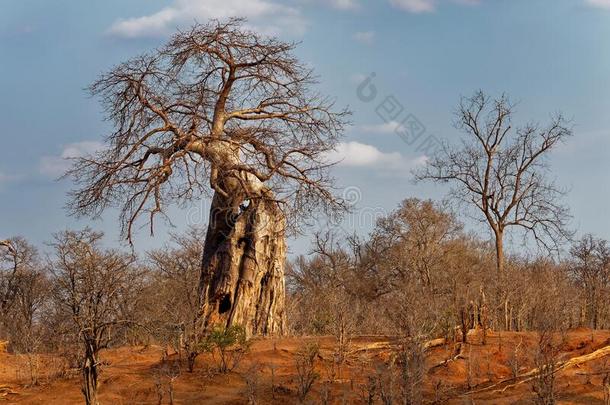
[242, 274]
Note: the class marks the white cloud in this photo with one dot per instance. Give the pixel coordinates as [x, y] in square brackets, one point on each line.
[599, 3]
[428, 6]
[468, 2]
[365, 37]
[344, 4]
[356, 154]
[415, 6]
[265, 16]
[385, 128]
[336, 4]
[55, 166]
[361, 154]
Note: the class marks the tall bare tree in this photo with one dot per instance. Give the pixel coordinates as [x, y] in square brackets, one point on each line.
[501, 171]
[96, 290]
[225, 112]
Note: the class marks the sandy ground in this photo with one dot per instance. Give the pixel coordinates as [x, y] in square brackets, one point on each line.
[137, 375]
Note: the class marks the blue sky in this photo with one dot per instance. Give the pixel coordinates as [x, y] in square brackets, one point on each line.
[551, 55]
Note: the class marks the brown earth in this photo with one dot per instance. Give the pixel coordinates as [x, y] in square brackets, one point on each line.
[476, 373]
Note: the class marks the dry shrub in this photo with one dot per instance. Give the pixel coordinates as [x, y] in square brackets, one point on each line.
[305, 363]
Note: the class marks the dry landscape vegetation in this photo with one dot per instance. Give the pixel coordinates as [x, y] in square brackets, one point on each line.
[419, 311]
[268, 374]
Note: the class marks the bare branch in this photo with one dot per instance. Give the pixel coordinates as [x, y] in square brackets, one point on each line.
[217, 109]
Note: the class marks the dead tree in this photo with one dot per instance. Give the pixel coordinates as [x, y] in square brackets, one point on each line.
[23, 292]
[501, 172]
[175, 271]
[9, 260]
[95, 290]
[590, 265]
[223, 112]
[17, 261]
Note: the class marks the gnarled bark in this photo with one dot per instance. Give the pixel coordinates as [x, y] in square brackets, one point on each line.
[242, 274]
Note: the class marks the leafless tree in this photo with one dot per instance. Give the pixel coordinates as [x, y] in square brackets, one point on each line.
[96, 289]
[501, 171]
[173, 299]
[225, 112]
[305, 363]
[420, 228]
[546, 359]
[23, 293]
[20, 274]
[591, 267]
[8, 276]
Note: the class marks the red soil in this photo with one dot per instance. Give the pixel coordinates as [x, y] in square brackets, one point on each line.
[131, 374]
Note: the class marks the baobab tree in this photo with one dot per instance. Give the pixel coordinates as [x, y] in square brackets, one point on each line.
[223, 112]
[501, 171]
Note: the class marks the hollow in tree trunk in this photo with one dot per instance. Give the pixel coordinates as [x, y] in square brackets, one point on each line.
[242, 274]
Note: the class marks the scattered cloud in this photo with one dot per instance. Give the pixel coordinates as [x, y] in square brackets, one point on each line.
[468, 2]
[336, 4]
[266, 16]
[385, 128]
[415, 6]
[428, 6]
[55, 166]
[344, 4]
[364, 37]
[605, 4]
[356, 154]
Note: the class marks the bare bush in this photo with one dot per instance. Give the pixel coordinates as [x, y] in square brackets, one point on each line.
[410, 361]
[546, 361]
[172, 303]
[252, 378]
[165, 376]
[305, 363]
